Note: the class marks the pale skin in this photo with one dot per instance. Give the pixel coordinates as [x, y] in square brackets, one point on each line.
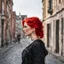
[29, 31]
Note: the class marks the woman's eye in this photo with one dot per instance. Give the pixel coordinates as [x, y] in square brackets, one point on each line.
[25, 26]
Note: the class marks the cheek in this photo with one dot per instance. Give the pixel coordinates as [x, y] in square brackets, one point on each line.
[25, 30]
[28, 31]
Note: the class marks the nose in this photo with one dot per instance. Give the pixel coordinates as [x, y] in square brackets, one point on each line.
[23, 29]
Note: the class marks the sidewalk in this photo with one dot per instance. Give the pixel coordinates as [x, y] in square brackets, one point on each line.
[58, 56]
[6, 48]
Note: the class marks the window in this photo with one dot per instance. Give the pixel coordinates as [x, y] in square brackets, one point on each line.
[59, 1]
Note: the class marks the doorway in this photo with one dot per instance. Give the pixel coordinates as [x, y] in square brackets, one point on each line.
[57, 36]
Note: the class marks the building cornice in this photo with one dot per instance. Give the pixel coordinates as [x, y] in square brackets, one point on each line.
[54, 14]
[9, 1]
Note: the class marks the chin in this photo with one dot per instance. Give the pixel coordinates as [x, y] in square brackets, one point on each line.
[27, 34]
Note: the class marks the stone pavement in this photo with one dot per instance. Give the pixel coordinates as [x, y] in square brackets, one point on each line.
[58, 56]
[6, 48]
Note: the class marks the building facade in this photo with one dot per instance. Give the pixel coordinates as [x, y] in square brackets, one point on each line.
[6, 18]
[0, 19]
[8, 30]
[13, 26]
[53, 20]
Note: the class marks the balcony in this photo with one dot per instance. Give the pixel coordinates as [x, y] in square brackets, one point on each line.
[5, 14]
[50, 10]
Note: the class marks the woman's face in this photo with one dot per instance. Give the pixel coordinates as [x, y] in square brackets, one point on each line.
[27, 29]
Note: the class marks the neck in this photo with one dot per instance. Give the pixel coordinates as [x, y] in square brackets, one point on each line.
[34, 37]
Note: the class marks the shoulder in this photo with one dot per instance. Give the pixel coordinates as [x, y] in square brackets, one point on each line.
[38, 42]
[27, 49]
[39, 46]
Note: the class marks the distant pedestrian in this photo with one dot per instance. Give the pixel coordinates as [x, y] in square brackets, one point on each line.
[18, 38]
[36, 52]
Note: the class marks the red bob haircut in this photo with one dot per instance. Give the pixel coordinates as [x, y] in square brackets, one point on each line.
[35, 22]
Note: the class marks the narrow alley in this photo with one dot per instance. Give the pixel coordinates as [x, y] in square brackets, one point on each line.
[13, 55]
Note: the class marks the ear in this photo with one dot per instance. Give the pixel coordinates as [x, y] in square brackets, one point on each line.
[33, 29]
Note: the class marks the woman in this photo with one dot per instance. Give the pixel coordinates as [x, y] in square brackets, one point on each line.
[34, 53]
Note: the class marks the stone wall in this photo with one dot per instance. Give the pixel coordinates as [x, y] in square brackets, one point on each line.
[55, 39]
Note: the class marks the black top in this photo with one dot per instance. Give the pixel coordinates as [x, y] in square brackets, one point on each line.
[34, 53]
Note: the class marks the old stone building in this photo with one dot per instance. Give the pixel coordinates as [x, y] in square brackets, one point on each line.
[0, 20]
[13, 26]
[9, 21]
[6, 15]
[53, 19]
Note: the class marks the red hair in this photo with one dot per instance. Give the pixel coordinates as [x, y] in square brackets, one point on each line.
[35, 22]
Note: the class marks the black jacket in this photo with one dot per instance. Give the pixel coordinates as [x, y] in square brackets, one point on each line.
[35, 53]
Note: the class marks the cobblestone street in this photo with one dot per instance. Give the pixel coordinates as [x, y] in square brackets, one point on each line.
[13, 55]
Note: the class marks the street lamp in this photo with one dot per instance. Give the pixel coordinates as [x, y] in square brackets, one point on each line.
[2, 26]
